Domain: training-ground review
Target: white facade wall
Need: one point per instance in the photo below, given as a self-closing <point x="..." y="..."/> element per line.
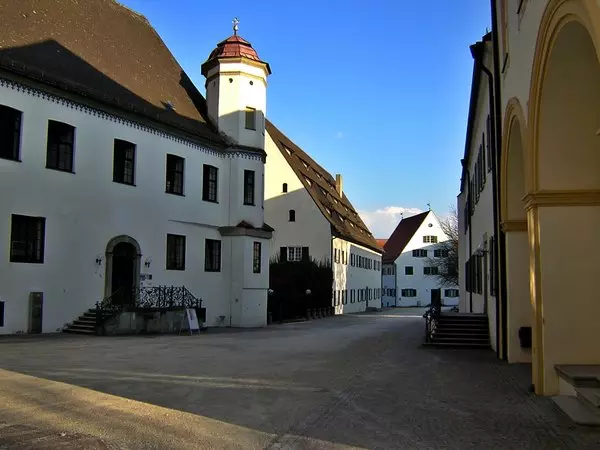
<point x="482" y="219"/>
<point x="350" y="279"/>
<point x="86" y="209"/>
<point x="423" y="284"/>
<point x="389" y="296"/>
<point x="310" y="229"/>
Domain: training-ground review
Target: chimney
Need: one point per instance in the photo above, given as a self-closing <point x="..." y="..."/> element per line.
<point x="339" y="184"/>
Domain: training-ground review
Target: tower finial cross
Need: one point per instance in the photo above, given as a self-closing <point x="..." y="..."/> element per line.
<point x="235" y="22"/>
<point x="429" y="206"/>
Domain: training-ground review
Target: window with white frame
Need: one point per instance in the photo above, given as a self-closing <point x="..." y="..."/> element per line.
<point x="409" y="292"/>
<point x="419" y="253"/>
<point x="430" y="270"/>
<point x="451" y="293"/>
<point x="430" y="239"/>
<point x="294" y="254"/>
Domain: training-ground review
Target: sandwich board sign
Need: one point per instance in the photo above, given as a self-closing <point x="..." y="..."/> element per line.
<point x="192" y="320"/>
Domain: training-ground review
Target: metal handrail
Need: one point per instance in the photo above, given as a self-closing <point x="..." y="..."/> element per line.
<point x="145" y="298"/>
<point x="431" y="317"/>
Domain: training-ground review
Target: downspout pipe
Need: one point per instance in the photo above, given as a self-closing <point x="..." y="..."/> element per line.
<point x="478" y="56"/>
<point x="501" y="238"/>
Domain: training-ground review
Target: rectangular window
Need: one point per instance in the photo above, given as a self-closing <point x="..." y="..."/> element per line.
<point x="27" y="239"/>
<point x="10" y="133"/>
<point x="249" y="187"/>
<point x="488" y="142"/>
<point x="123" y="162"/>
<point x="250" y="118"/>
<point x="409" y="292"/>
<point x="294" y="254"/>
<point x="430" y="270"/>
<point x="1" y="314"/>
<point x="60" y="146"/>
<point x="451" y="293"/>
<point x="419" y="253"/>
<point x="430" y="239"/>
<point x="352" y="259"/>
<point x="209" y="183"/>
<point x="440" y="253"/>
<point x="256" y="257"/>
<point x="492" y="256"/>
<point x="212" y="255"/>
<point x="175" y="166"/>
<point x="409" y="270"/>
<point x="175" y="252"/>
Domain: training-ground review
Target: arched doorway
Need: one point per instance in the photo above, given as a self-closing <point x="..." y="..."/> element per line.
<point x="564" y="206"/>
<point x="519" y="313"/>
<point x="123" y="258"/>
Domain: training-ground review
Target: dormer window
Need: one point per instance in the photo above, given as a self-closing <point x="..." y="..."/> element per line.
<point x="250" y="118"/>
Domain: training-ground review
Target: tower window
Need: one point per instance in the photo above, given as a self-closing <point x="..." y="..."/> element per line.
<point x="284" y="188"/>
<point x="292" y="215"/>
<point x="250" y="118"/>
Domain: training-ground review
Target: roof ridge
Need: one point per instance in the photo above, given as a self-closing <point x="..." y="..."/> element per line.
<point x="133" y="12"/>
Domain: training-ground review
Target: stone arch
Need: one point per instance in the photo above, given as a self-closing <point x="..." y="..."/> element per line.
<point x="563" y="206"/>
<point x="110" y="248"/>
<point x="558" y="15"/>
<point x="514" y="139"/>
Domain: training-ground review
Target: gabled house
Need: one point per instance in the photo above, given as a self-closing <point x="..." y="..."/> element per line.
<point x="409" y="278"/>
<point x="314" y="219"/>
<point x="117" y="172"/>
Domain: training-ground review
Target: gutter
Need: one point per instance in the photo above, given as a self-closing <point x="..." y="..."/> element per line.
<point x="470" y="236"/>
<point x="500" y="238"/>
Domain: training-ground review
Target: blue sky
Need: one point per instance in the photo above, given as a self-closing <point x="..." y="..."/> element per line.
<point x="376" y="90"/>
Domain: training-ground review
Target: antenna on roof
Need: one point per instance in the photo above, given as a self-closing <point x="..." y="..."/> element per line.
<point x="235" y="22"/>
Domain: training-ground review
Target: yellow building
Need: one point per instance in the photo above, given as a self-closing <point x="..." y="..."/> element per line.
<point x="546" y="113"/>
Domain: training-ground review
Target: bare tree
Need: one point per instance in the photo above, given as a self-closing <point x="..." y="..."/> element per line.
<point x="447" y="264"/>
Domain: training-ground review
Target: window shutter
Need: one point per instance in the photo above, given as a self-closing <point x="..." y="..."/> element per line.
<point x="283" y="254"/>
<point x="305" y="256"/>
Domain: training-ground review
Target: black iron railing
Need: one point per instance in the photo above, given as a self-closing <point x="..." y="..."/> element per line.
<point x="144" y="299"/>
<point x="431" y="317"/>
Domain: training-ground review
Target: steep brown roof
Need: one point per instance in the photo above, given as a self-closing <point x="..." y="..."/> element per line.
<point x="401" y="236"/>
<point x="104" y="51"/>
<point x="381" y="242"/>
<point x="345" y="221"/>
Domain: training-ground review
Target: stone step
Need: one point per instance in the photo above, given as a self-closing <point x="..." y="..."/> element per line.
<point x="578" y="411"/>
<point x="483" y="336"/>
<point x="82" y="327"/>
<point x="78" y="331"/>
<point x="461" y="340"/>
<point x="589" y="395"/>
<point x="458" y="344"/>
<point x="464" y="322"/>
<point x="85" y="320"/>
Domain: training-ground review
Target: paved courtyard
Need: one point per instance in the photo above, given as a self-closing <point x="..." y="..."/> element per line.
<point x="360" y="381"/>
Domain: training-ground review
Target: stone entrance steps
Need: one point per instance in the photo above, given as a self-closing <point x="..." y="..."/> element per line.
<point x="579" y="397"/>
<point x="86" y="323"/>
<point x="461" y="330"/>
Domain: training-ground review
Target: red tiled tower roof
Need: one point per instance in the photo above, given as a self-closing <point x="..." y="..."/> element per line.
<point x="233" y="47"/>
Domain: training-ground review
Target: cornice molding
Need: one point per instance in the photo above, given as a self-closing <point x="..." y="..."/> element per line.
<point x="89" y="110"/>
<point x="578" y="197"/>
